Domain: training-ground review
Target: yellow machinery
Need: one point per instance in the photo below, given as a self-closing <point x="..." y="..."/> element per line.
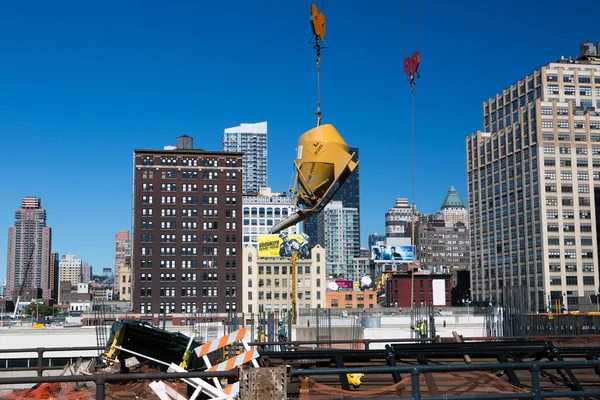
<point x="322" y="157"/>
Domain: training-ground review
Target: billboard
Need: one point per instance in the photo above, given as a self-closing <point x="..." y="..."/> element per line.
<point x="439" y="292"/>
<point x="388" y="254"/>
<point x="344" y="284"/>
<point x="284" y="245"/>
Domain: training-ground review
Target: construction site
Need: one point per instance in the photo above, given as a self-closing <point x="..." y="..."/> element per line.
<point x="502" y="351"/>
<point x="334" y="355"/>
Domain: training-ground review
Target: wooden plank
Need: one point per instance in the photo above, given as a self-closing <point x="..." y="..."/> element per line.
<point x="458" y="338"/>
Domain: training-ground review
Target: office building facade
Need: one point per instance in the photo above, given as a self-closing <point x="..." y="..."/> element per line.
<point x="187" y="216"/>
<point x="268" y="282"/>
<point x="70" y="269"/>
<point x="250" y="139"/>
<point x="29" y="247"/>
<point x="122" y="252"/>
<point x="264" y="210"/>
<point x="532" y="178"/>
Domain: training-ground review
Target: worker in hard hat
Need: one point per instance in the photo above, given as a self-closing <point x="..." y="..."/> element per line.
<point x="281" y="334"/>
<point x="421" y="328"/>
<point x="260" y="336"/>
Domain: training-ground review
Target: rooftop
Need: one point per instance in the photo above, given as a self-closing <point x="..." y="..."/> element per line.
<point x="452" y="200"/>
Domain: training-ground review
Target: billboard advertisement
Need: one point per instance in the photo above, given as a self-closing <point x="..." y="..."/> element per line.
<point x="344" y="284"/>
<point x="284" y="245"/>
<point x="388" y="254"/>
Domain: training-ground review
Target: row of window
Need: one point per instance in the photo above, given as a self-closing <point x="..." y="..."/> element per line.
<point x="570" y="90"/>
<point x="566" y="188"/>
<point x="206" y="238"/>
<point x="188" y="291"/>
<point x="306" y="295"/>
<point x="267" y="269"/>
<point x="146" y="308"/>
<point x="566" y="137"/>
<point x="553" y="227"/>
<point x="567" y="176"/>
<point x="572" y="267"/>
<point x="549" y="149"/>
<point x="571" y="280"/>
<point x="190" y="162"/>
<point x="188" y="251"/>
<point x="568" y="214"/>
<point x="555" y="253"/>
<point x="171" y="277"/>
<point x="568" y="201"/>
<point x="571" y="79"/>
<point x="188" y="264"/>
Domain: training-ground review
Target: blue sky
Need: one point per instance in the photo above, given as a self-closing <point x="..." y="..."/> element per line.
<point x="84" y="83"/>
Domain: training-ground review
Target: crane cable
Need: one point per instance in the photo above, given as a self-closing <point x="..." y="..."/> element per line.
<point x="411" y="65"/>
<point x="318" y="26"/>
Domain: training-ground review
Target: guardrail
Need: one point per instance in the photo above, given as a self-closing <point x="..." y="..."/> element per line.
<point x="40" y="367"/>
<point x="101" y="379"/>
<point x="415" y="371"/>
<point x="40" y="351"/>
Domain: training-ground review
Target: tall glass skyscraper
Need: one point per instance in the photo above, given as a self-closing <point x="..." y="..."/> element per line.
<point x="251" y="139"/>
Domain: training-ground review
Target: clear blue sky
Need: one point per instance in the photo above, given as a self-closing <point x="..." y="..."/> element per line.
<point x="84" y="83"/>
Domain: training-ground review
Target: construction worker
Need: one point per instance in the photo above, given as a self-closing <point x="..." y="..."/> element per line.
<point x="259" y="336"/>
<point x="422" y="328"/>
<point x="281" y="334"/>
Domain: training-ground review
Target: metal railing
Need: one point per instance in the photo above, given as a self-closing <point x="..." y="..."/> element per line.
<point x="290" y="345"/>
<point x="40" y="367"/>
<point x="416" y="370"/>
<point x="101" y="379"/>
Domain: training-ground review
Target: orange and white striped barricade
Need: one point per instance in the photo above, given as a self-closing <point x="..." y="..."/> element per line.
<point x="202" y="386"/>
<point x="235" y="362"/>
<point x="165" y="392"/>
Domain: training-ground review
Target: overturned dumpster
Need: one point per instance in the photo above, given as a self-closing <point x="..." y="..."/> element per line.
<point x="152" y="346"/>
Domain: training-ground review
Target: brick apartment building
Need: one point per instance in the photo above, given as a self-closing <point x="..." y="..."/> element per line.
<point x="187" y="242"/>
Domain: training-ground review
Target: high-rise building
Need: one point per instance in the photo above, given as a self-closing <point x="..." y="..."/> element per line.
<point x="122" y="251"/>
<point x="53" y="278"/>
<point x="532" y="179"/>
<point x="187" y="244"/>
<point x="349" y="195"/>
<point x="264" y="210"/>
<point x="29" y="247"/>
<point x="399" y="218"/>
<point x="338" y="225"/>
<point x="453" y="209"/>
<point x="86" y="272"/>
<point x="250" y="139"/>
<point x="69" y="269"/>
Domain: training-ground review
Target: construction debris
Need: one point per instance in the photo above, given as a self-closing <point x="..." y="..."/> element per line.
<point x="132" y="363"/>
